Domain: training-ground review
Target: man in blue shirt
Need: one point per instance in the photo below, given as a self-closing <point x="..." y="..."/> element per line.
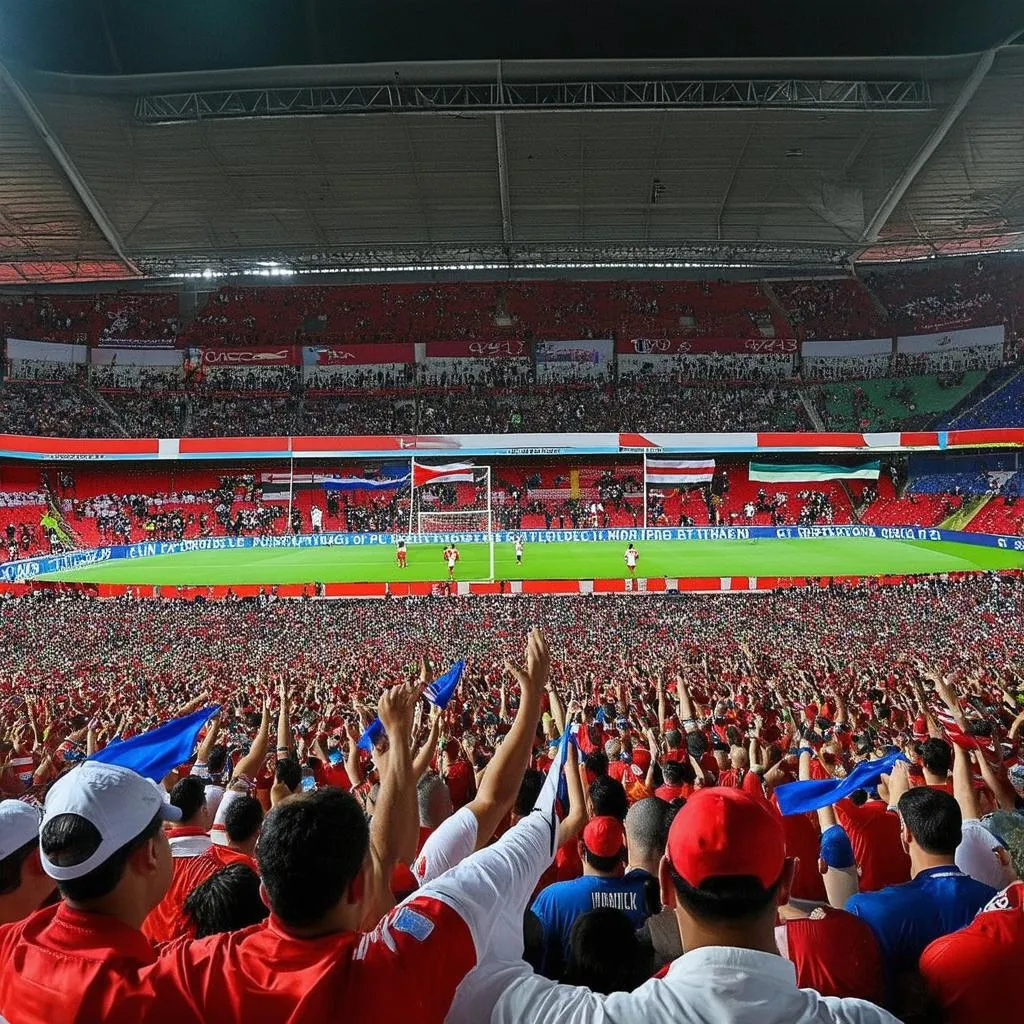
<point x="939" y="898"/>
<point x="601" y="885"/>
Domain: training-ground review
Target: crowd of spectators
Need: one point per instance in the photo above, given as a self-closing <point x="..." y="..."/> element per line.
<point x="661" y="883"/>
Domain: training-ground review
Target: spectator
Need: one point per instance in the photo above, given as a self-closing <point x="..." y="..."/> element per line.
<point x="24" y="885"/>
<point x="102" y="841"/>
<point x="605" y="954"/>
<point x="601" y="885"/>
<point x="726" y="869"/>
<point x="971" y="973"/>
<point x="236" y="838"/>
<point x="227" y="901"/>
<point x="939" y="898"/>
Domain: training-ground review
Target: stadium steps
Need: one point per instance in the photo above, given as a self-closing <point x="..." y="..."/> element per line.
<point x="875" y="301"/>
<point x="963" y="515"/>
<point x="812" y="413"/>
<point x="776" y="303"/>
<point x="106" y="407"/>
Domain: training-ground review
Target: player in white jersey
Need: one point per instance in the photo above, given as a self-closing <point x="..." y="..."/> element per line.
<point x="631" y="556"/>
<point x="316" y="518"/>
<point x="519" y="550"/>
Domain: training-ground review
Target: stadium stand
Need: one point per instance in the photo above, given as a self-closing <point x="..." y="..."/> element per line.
<point x="832" y="309"/>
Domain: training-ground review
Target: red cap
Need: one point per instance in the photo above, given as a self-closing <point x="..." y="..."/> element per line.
<point x="726" y="832"/>
<point x="604" y="836"/>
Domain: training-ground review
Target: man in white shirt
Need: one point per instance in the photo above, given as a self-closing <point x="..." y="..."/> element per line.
<point x="725" y="871"/>
<point x="316" y="518"/>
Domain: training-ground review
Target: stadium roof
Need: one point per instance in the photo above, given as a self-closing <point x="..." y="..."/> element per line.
<point x="800" y="162"/>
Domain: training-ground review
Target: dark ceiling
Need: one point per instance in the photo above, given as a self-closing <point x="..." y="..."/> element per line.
<point x="113" y="37"/>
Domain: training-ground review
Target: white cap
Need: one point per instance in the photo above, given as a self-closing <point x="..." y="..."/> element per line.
<point x="118" y="801"/>
<point x="19" y="826"/>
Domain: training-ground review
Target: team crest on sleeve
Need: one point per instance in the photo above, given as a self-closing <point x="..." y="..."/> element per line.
<point x="414" y="924"/>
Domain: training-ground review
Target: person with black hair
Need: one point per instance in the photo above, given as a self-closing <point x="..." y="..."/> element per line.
<point x="607" y="798"/>
<point x="227" y="901"/>
<point x="190" y="844"/>
<point x="24" y="885"/>
<point x="605" y="954"/>
<point x="236" y="838"/>
<point x="725" y="872"/>
<point x="936" y="762"/>
<point x="103" y="843"/>
<point x="939" y="898"/>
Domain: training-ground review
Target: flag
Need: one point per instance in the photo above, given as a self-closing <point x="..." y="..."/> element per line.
<point x="454" y="473"/>
<point x="358" y="483"/>
<point x="768" y="473"/>
<point x="680" y="471"/>
<point x="438" y="693"/>
<point x="809" y="795"/>
<point x="554" y="789"/>
<point x="155" y="753"/>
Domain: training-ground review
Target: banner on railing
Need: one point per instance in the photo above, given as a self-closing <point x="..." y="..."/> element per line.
<point x="846" y="349"/>
<point x="505" y="349"/>
<point x="46" y="351"/>
<point x="359" y="355"/>
<point x="946" y="341"/>
<point x="136" y="356"/>
<point x="31" y="568"/>
<point x="262" y="355"/>
<point x="136" y="343"/>
<point x="596" y="352"/>
<point x="705" y="346"/>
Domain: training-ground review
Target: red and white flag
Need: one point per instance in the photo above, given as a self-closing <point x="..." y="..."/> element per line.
<point x="680" y="471"/>
<point x="454" y="473"/>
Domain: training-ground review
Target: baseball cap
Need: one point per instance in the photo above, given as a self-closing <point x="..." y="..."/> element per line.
<point x="726" y="832"/>
<point x="119" y="802"/>
<point x="604" y="836"/>
<point x="19" y="826"/>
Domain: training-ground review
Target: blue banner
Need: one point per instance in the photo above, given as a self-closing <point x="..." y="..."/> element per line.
<point x="30" y="568"/>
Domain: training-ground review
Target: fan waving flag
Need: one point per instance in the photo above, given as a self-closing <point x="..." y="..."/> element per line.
<point x="155" y="753"/>
<point x="680" y="471"/>
<point x="809" y="795"/>
<point x="454" y="473"/>
<point x="438" y="693"/>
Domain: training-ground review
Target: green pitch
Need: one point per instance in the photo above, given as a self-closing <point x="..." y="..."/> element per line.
<point x="575" y="560"/>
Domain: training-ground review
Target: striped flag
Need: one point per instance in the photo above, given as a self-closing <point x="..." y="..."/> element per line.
<point x="771" y="473"/>
<point x="680" y="471"/>
<point x="454" y="473"/>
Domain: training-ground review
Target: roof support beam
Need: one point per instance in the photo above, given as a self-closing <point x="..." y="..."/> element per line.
<point x="506" y="204"/>
<point x="934" y="140"/>
<point x="66" y="164"/>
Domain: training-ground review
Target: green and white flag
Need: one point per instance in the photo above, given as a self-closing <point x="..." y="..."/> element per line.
<point x="769" y="473"/>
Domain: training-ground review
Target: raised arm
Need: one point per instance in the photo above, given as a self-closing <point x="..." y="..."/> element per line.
<point x="212" y="729"/>
<point x="421" y="762"/>
<point x="250" y="764"/>
<point x="963" y="784"/>
<point x="395" y="823"/>
<point x="500" y="784"/>
<point x="285" y="741"/>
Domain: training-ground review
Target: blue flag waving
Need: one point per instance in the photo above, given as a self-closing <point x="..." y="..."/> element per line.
<point x="809" y="795"/>
<point x="439" y="693"/>
<point x="153" y="754"/>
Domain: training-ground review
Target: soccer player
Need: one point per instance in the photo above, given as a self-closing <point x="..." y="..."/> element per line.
<point x="402" y="553"/>
<point x="451" y="556"/>
<point x="519" y="550"/>
<point x="316" y="518"/>
<point x="631" y="557"/>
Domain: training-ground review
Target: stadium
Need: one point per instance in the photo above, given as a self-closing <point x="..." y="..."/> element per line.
<point x="341" y="346"/>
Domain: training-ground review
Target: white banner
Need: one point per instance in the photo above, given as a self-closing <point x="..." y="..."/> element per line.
<point x="838" y="349"/>
<point x="680" y="471"/>
<point x="137" y="357"/>
<point x="945" y="341"/>
<point x="46" y="351"/>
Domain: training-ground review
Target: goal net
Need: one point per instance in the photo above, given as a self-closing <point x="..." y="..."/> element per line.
<point x="463" y="521"/>
<point x="455" y="507"/>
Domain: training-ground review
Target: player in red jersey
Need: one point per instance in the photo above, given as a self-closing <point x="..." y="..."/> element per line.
<point x="451" y="557"/>
<point x="402" y="554"/>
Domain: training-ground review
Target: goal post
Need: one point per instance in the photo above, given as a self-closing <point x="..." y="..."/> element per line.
<point x="425" y="521"/>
